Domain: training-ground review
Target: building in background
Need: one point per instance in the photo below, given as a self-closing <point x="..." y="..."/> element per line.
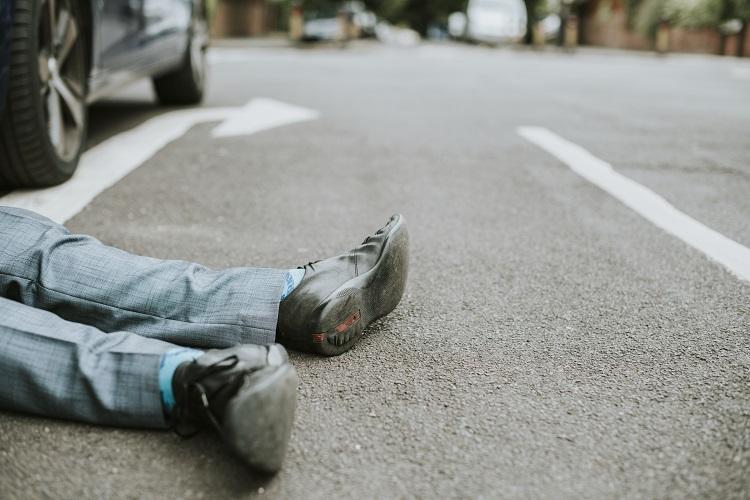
<point x="695" y="26"/>
<point x="248" y="18"/>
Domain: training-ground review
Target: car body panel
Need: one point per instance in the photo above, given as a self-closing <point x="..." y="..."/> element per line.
<point x="117" y="24"/>
<point x="490" y="21"/>
<point x="496" y="21"/>
<point x="130" y="39"/>
<point x="323" y="29"/>
<point x="134" y="39"/>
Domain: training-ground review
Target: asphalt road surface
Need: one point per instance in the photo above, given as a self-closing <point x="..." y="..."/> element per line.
<point x="552" y="342"/>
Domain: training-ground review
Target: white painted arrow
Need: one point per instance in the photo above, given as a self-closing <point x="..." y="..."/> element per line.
<point x="105" y="164"/>
<point x="261" y="114"/>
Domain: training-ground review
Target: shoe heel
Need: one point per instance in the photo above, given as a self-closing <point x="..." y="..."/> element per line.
<point x="342" y="323"/>
<point x="259" y="420"/>
<point x="369" y="297"/>
<point x="386" y="283"/>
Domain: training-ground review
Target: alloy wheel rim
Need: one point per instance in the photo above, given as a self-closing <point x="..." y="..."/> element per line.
<point x="61" y="75"/>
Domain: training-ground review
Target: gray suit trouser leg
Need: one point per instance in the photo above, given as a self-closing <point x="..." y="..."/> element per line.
<point x="83" y="325"/>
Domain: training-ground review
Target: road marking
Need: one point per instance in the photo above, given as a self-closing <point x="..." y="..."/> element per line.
<point x="262" y="114"/>
<point x="727" y="252"/>
<point x="105" y="164"/>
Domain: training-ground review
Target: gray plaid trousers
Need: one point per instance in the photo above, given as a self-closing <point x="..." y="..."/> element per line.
<point x="83" y="325"/>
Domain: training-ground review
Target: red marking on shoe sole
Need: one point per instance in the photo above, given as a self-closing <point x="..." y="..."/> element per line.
<point x="348" y="322"/>
<point x="318" y="338"/>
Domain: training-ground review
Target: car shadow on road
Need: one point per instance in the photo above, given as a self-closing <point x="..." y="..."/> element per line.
<point x="111" y="117"/>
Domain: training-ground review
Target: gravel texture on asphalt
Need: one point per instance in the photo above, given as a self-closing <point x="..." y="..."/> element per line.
<point x="551" y="342"/>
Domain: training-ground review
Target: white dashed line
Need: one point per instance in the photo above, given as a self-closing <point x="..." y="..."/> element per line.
<point x="727" y="252"/>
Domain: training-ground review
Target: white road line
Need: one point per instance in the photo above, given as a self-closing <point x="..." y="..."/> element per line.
<point x="727" y="252"/>
<point x="262" y="114"/>
<point x="105" y="164"/>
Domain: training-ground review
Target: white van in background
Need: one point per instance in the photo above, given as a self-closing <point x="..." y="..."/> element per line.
<point x="490" y="21"/>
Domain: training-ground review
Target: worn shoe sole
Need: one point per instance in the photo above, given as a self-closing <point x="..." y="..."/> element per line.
<point x="343" y="316"/>
<point x="259" y="419"/>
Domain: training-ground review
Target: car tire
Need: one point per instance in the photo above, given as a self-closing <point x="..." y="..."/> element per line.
<point x="186" y="84"/>
<point x="43" y="128"/>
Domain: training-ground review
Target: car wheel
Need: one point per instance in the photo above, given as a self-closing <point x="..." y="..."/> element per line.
<point x="186" y="84"/>
<point x="44" y="126"/>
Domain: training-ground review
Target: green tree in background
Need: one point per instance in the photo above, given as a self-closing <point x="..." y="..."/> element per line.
<point x="740" y="9"/>
<point x="686" y="13"/>
<point x="417" y="14"/>
<point x="694" y="13"/>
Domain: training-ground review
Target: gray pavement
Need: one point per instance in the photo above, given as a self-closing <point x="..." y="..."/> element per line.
<point x="551" y="343"/>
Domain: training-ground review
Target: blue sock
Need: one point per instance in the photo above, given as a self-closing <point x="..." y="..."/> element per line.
<point x="293" y="278"/>
<point x="169" y="362"/>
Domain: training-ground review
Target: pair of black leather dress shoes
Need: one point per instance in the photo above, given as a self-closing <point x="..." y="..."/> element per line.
<point x="248" y="393"/>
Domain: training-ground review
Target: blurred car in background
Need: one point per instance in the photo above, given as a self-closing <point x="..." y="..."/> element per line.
<point x="329" y="20"/>
<point x="322" y="23"/>
<point x="57" y="56"/>
<point x="396" y="35"/>
<point x="550" y="26"/>
<point x="364" y="20"/>
<point x="490" y="21"/>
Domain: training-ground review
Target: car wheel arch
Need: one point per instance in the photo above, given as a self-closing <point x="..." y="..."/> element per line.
<point x="87" y="14"/>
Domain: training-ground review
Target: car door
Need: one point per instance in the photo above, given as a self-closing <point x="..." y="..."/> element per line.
<point x="166" y="25"/>
<point x="119" y="29"/>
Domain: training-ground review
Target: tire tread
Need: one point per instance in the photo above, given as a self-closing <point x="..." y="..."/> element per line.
<point x="26" y="157"/>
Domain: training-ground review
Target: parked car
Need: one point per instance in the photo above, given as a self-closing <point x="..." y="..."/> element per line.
<point x="490" y="21"/>
<point x="58" y="56"/>
<point x="323" y="21"/>
<point x="322" y="24"/>
<point x="364" y="20"/>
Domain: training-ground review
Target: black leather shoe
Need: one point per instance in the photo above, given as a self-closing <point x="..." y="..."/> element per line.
<point x="247" y="393"/>
<point x="339" y="297"/>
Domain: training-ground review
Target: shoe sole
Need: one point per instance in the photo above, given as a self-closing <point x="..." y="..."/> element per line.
<point x="350" y="309"/>
<point x="259" y="419"/>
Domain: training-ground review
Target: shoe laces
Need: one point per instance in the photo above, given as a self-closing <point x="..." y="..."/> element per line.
<point x="180" y="417"/>
<point x="311" y="265"/>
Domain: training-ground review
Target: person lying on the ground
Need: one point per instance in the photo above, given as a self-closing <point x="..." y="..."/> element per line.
<point x="91" y="333"/>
